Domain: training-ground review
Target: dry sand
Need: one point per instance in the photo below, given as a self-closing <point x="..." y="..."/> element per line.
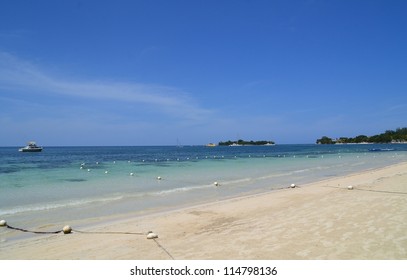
<point x="322" y="220"/>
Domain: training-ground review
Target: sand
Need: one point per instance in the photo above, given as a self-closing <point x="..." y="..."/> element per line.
<point x="319" y="221"/>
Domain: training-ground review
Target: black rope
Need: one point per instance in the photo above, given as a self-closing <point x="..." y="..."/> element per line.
<point x="92" y="232"/>
<point x="73" y="230"/>
<point x="107" y="232"/>
<point x="165" y="250"/>
<point x="32" y="231"/>
<point x="391" y="192"/>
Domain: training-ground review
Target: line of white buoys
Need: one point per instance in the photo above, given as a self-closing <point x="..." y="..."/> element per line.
<point x="3" y="223"/>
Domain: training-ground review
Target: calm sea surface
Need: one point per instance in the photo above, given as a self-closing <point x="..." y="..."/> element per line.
<point x="65" y="184"/>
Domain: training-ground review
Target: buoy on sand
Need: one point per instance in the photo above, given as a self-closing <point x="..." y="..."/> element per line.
<point x="152" y="235"/>
<point x="3" y="223"/>
<point x="159" y="178"/>
<point x="216" y="184"/>
<point x="350" y="187"/>
<point x="67" y="229"/>
<point x="293" y="186"/>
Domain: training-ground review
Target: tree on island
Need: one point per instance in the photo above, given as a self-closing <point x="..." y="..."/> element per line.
<point x="390" y="136"/>
<point x="243" y="142"/>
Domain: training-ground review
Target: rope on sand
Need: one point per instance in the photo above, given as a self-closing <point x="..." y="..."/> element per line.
<point x="365" y="190"/>
<point x="165" y="250"/>
<point x="31" y="231"/>
<point x="391" y="192"/>
<point x="108" y="232"/>
<point x="67" y="230"/>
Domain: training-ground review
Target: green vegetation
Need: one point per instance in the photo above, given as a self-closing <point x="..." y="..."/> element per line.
<point x="390" y="136"/>
<point x="243" y="142"/>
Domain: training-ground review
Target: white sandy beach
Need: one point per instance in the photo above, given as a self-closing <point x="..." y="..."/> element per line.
<point x="322" y="220"/>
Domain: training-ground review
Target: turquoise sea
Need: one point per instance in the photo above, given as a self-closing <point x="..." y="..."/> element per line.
<point x="63" y="185"/>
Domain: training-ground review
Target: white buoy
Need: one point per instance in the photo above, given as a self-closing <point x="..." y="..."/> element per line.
<point x="67" y="229"/>
<point x="216" y="183"/>
<point x="293" y="186"/>
<point x="106" y="172"/>
<point x="3" y="223"/>
<point x="131" y="174"/>
<point x="88" y="170"/>
<point x="350" y="187"/>
<point x="159" y="178"/>
<point x="152" y="235"/>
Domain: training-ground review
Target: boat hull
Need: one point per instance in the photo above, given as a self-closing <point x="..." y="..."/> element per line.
<point x="32" y="150"/>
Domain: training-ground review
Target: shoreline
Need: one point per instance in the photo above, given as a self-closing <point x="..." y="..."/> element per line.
<point x="319" y="220"/>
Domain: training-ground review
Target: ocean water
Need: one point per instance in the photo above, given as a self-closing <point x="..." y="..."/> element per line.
<point x="68" y="184"/>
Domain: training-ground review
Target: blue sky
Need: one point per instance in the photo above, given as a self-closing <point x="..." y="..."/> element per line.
<point x="152" y="72"/>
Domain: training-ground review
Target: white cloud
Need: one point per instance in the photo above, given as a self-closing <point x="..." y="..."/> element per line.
<point x="23" y="76"/>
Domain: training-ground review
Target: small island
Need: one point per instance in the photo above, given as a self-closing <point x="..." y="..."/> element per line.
<point x="390" y="136"/>
<point x="241" y="142"/>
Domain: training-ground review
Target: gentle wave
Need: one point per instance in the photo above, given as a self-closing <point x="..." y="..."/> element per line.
<point x="53" y="206"/>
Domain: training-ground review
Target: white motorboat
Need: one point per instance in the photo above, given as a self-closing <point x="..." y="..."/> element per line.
<point x="31" y="147"/>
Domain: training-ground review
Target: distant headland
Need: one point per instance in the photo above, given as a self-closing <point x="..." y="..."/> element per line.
<point x="241" y="142"/>
<point x="390" y="136"/>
